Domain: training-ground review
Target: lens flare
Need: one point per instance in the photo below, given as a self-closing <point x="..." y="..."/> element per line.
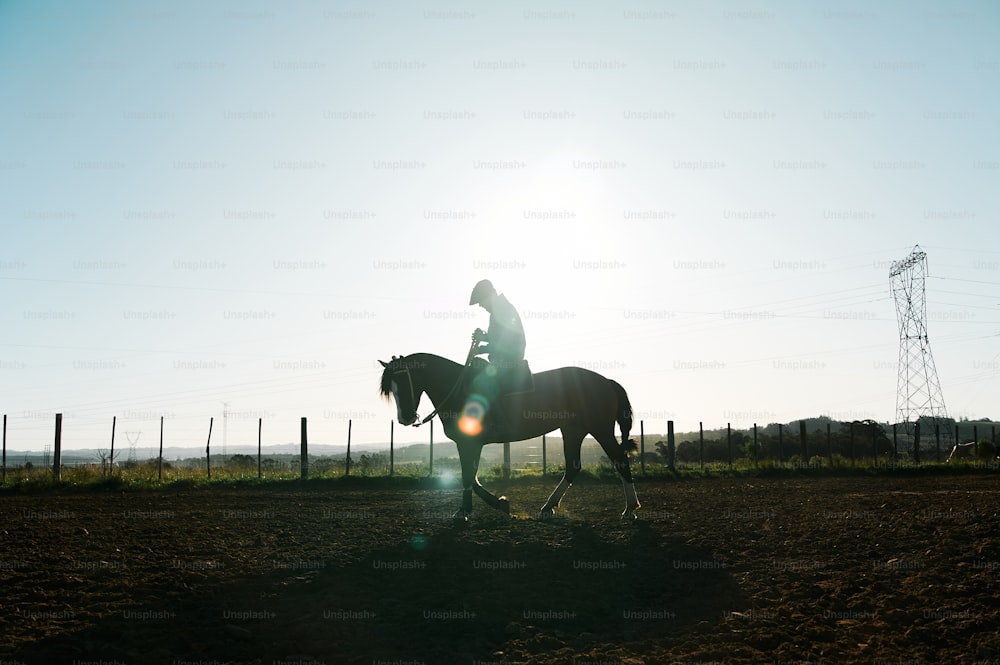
<point x="470" y="426"/>
<point x="471" y="420"/>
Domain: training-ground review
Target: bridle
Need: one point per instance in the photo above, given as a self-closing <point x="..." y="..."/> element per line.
<point x="413" y="395"/>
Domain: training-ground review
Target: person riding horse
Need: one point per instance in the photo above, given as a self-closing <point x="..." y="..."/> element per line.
<point x="507" y="372"/>
<point x="505" y="337"/>
<point x="470" y="403"/>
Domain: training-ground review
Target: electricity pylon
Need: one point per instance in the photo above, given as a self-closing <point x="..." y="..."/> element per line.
<point x="918" y="391"/>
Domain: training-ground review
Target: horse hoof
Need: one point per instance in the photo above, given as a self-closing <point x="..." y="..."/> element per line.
<point x="629" y="515"/>
<point x="546" y="514"/>
<point x="503" y="505"/>
<point x="460" y="517"/>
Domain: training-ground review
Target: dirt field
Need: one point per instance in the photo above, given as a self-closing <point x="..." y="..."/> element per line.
<point x="836" y="570"/>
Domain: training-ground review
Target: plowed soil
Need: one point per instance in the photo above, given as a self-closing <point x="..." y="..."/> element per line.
<point x="859" y="569"/>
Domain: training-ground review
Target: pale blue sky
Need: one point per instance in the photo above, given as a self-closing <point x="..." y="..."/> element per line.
<point x="252" y="203"/>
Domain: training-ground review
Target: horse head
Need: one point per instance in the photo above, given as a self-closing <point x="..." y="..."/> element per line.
<point x="400" y="380"/>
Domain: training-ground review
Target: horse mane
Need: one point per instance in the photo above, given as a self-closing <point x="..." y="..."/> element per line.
<point x="385" y="382"/>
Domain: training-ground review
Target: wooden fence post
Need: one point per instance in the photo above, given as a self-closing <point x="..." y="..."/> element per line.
<point x="4" y="449"/>
<point x="852" y="442"/>
<point x="895" y="444"/>
<point x="874" y="445"/>
<point x="506" y="459"/>
<point x="159" y="466"/>
<point x="781" y="443"/>
<point x="701" y="444"/>
<point x="802" y="442"/>
<point x="642" y="447"/>
<point x="937" y="440"/>
<point x="111" y="459"/>
<point x="392" y="448"/>
<point x="544" y="456"/>
<point x="756" y="456"/>
<point x="916" y="442"/>
<point x="671" y="446"/>
<point x="208" y="448"/>
<point x="57" y="457"/>
<point x="829" y="444"/>
<point x="260" y="428"/>
<point x="431" y="463"/>
<point x="729" y="442"/>
<point x="347" y="467"/>
<point x="303" y="451"/>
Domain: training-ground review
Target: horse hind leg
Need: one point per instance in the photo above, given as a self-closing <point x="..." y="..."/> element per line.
<point x="618" y="454"/>
<point x="571" y="451"/>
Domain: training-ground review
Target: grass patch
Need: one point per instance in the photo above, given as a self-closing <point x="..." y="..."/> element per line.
<point x="146" y="477"/>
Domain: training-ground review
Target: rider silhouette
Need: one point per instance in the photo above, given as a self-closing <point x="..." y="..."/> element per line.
<point x="505" y="336"/>
<point x="505" y="348"/>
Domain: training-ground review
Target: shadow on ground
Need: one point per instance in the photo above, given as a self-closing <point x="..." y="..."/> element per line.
<point x="499" y="590"/>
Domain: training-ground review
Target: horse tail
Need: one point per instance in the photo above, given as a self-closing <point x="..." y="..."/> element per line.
<point x="624" y="417"/>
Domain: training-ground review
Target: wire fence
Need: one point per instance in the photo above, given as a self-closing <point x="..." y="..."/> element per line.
<point x="856" y="444"/>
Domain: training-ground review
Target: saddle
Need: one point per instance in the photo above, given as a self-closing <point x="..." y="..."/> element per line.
<point x="513" y="381"/>
<point x="485" y="384"/>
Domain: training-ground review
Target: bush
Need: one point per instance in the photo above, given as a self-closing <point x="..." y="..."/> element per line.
<point x="985" y="450"/>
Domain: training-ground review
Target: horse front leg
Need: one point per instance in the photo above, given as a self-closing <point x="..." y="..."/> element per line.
<point x="468" y="455"/>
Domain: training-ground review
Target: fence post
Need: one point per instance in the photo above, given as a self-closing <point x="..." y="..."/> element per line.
<point x="303" y="449"/>
<point x="802" y="441"/>
<point x="874" y="445"/>
<point x="111" y="459"/>
<point x="756" y="458"/>
<point x="895" y="444"/>
<point x="159" y="465"/>
<point x="506" y="459"/>
<point x="916" y="442"/>
<point x="729" y="442"/>
<point x="544" y="456"/>
<point x="701" y="444"/>
<point x="671" y="446"/>
<point x="392" y="448"/>
<point x="829" y="444"/>
<point x="852" y="442"/>
<point x="431" y="464"/>
<point x="57" y="457"/>
<point x="260" y="428"/>
<point x="4" y="449"/>
<point x="937" y="440"/>
<point x="781" y="443"/>
<point x="642" y="446"/>
<point x="208" y="448"/>
<point x="347" y="467"/>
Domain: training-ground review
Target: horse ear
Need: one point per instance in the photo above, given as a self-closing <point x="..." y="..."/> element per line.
<point x="384" y="364"/>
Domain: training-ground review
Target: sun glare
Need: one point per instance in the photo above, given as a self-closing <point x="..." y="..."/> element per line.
<point x="471" y="421"/>
<point x="470" y="426"/>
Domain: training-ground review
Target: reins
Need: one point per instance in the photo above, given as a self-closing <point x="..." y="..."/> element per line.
<point x="468" y="362"/>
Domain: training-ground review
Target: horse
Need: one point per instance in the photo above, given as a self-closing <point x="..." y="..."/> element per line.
<point x="574" y="400"/>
